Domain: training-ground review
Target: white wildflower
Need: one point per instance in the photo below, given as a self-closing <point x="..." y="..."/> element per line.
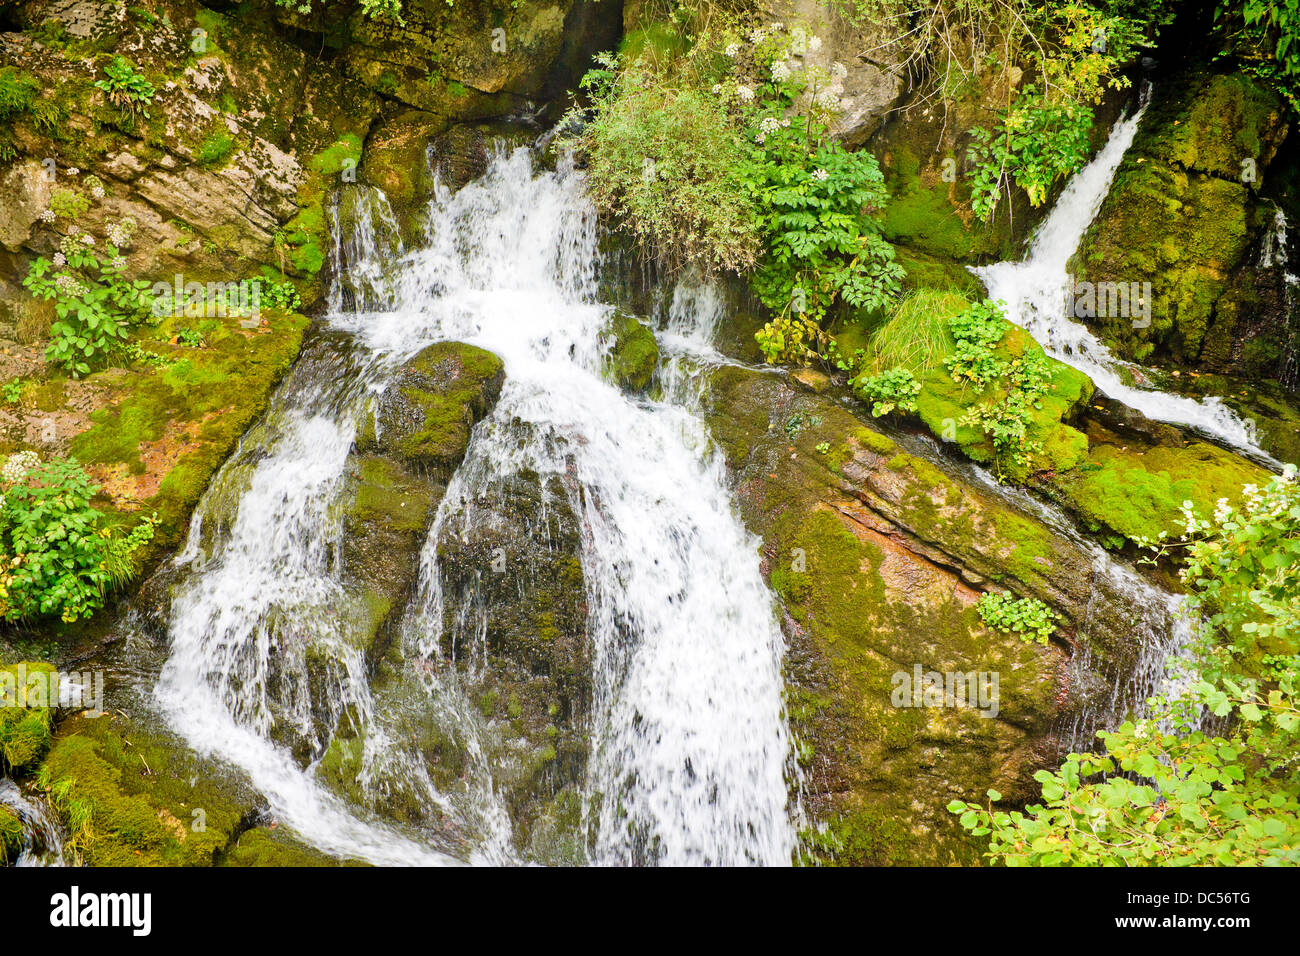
<point x="820" y="175"/>
<point x="732" y="50"/>
<point x="60" y="260"/>
<point x="97" y="192"/>
<point x="780" y="72"/>
<point x="119" y="262"/>
<point x="47" y="215"/>
<point x="814" y="44"/>
<point x="839" y="70"/>
<point x="73" y="171"/>
<point x="18" y="465"/>
<point x="745" y="93"/>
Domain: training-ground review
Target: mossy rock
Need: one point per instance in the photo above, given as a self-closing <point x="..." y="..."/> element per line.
<point x="137" y="797"/>
<point x="1183" y="214"/>
<point x="1138" y="490"/>
<point x="11" y="835"/>
<point x="26" y="714"/>
<point x="268" y="846"/>
<point x="166" y="430"/>
<point x="425" y="416"/>
<point x="878" y="558"/>
<point x="633" y="352"/>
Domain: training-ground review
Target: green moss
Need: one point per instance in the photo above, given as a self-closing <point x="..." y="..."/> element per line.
<point x="11" y="836"/>
<point x="197" y="408"/>
<point x="633" y="353"/>
<point x="266" y="847"/>
<point x="135" y="798"/>
<point x="1139" y="493"/>
<point x="448" y="392"/>
<point x="26" y="714"/>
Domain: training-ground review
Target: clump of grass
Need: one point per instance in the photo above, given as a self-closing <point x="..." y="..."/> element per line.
<point x="916" y="336"/>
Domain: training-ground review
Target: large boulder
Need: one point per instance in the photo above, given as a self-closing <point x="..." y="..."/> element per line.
<point x="1183" y="214"/>
<point x="878" y="557"/>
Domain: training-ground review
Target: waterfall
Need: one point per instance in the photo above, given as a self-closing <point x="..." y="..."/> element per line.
<point x="689" y="745"/>
<point x="1275" y="254"/>
<point x="1039" y="296"/>
<point x="42" y="833"/>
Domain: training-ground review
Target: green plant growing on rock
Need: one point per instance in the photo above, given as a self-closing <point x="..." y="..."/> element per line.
<point x="126" y="87"/>
<point x="1165" y="792"/>
<point x="56" y="555"/>
<point x="893" y="389"/>
<point x="1033" y="620"/>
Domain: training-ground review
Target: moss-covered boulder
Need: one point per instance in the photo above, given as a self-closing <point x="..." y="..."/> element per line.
<point x="396" y="475"/>
<point x="27" y="712"/>
<point x="1183" y="214"/>
<point x="633" y="353"/>
<point x="135" y="796"/>
<point x="11" y="835"/>
<point x="879" y="557"/>
<point x="424" y="417"/>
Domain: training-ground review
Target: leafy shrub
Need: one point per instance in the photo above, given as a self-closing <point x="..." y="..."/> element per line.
<point x="664" y="162"/>
<point x="93" y="301"/>
<point x="713" y="151"/>
<point x="1029" y="617"/>
<point x="55" y="555"/>
<point x="977" y="331"/>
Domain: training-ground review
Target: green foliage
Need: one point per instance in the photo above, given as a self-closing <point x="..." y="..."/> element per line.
<point x="1013" y="387"/>
<point x="126" y="87"/>
<point x="1033" y="620"/>
<point x="1265" y="35"/>
<point x="664" y="162"/>
<point x="20" y="98"/>
<point x="55" y="555"/>
<point x="390" y="10"/>
<point x="94" y="303"/>
<point x="916" y="336"/>
<point x="714" y="152"/>
<point x="1166" y="792"/>
<point x="1244" y="566"/>
<point x="894" y="388"/>
<point x="976" y="331"/>
<point x="281" y="295"/>
<point x="1034" y="144"/>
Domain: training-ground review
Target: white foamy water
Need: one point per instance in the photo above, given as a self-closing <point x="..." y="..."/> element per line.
<point x="689" y="740"/>
<point x="1039" y="294"/>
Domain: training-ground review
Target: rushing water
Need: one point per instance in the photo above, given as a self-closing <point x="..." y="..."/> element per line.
<point x="42" y="833"/>
<point x="689" y="741"/>
<point x="1039" y="296"/>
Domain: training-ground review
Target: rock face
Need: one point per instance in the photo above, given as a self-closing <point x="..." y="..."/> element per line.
<point x="1184" y="214"/>
<point x="398" y="471"/>
<point x="878" y="558"/>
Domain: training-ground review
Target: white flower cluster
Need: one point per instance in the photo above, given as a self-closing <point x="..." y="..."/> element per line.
<point x="829" y="99"/>
<point x="74" y="171"/>
<point x="60" y="260"/>
<point x="119" y="233"/>
<point x="839" y="70"/>
<point x="47" y="215"/>
<point x="70" y="286"/>
<point x="732" y="50"/>
<point x="820" y="175"/>
<point x="119" y="262"/>
<point x="814" y="44"/>
<point x="780" y="72"/>
<point x="745" y="94"/>
<point x="18" y="465"/>
<point x="768" y="125"/>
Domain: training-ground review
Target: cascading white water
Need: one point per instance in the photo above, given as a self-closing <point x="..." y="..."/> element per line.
<point x="1039" y="297"/>
<point x="42" y="833"/>
<point x="689" y="741"/>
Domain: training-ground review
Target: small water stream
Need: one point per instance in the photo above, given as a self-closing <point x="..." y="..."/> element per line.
<point x="1039" y="296"/>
